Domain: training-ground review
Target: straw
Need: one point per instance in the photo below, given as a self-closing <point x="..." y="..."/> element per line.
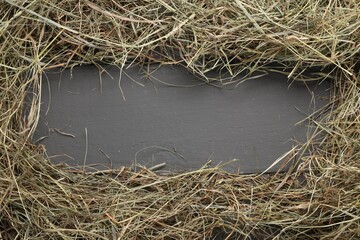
<point x="316" y="199"/>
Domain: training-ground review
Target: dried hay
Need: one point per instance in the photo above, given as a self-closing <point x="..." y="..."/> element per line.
<point x="318" y="199"/>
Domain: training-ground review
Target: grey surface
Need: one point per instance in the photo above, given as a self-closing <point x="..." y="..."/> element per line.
<point x="181" y="126"/>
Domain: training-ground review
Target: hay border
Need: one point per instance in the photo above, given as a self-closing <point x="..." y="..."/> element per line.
<point x="41" y="201"/>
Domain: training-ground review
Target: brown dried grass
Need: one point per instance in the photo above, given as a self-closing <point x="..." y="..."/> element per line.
<point x="318" y="199"/>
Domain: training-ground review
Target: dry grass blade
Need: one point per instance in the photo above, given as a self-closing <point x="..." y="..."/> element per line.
<point x="319" y="199"/>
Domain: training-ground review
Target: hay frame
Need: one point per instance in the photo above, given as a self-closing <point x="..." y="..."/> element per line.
<point x="317" y="199"/>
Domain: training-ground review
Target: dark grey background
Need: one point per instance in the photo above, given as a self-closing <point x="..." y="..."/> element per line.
<point x="182" y="126"/>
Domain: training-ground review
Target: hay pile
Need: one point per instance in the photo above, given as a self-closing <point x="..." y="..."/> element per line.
<point x="319" y="199"/>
